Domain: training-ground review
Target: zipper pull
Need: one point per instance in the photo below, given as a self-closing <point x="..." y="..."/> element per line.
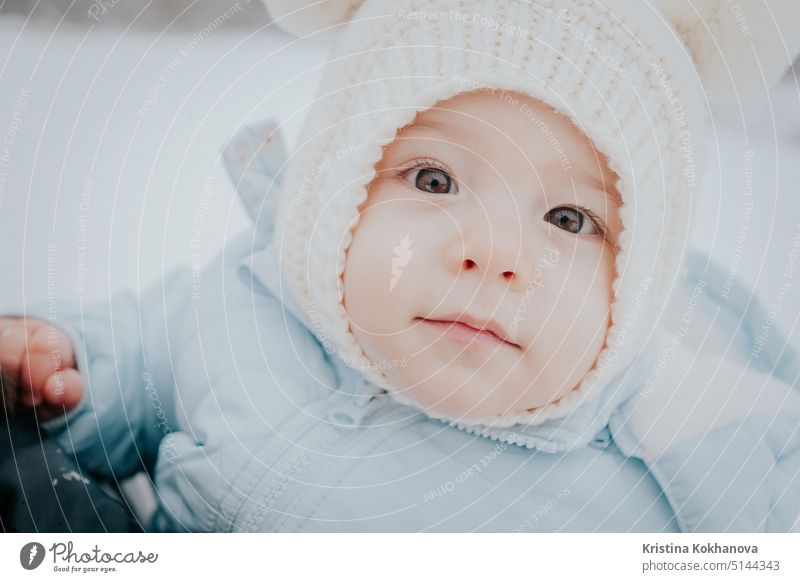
<point x="602" y="439"/>
<point x="353" y="412"/>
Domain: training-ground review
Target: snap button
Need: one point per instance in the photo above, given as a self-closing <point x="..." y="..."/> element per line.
<point x="341" y="417"/>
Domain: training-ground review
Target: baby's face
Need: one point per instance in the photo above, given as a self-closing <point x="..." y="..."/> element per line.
<point x="490" y="210"/>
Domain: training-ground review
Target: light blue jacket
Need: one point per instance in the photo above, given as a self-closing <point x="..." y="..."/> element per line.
<point x="247" y="424"/>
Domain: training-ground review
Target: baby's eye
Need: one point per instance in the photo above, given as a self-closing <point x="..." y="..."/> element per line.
<point x="572" y="220"/>
<point x="432" y="180"/>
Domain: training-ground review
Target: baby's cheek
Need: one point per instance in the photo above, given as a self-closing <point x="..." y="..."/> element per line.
<point x="597" y="298"/>
<point x="370" y="252"/>
<point x="377" y="272"/>
<point x="580" y="296"/>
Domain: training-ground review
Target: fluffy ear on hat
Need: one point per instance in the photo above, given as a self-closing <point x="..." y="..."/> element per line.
<point x="735" y="43"/>
<point x="309" y="17"/>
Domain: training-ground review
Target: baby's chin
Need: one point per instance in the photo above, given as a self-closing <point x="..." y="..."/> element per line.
<point x="474" y="386"/>
<point x="475" y="399"/>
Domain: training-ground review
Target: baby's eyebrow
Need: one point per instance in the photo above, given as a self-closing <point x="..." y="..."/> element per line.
<point x="603" y="185"/>
<point x="427" y="125"/>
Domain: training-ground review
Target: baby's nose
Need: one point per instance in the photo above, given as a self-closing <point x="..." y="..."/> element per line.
<point x="493" y="246"/>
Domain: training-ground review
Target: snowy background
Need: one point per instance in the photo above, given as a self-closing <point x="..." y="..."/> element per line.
<point x="116" y="135"/>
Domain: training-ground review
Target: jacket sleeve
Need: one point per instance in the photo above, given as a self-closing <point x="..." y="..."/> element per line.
<point x="122" y="353"/>
<point x="246" y="372"/>
<point x="722" y="439"/>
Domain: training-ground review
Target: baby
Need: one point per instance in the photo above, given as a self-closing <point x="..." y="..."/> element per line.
<point x="476" y="226"/>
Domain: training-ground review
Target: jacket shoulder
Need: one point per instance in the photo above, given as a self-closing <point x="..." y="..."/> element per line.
<point x="240" y="342"/>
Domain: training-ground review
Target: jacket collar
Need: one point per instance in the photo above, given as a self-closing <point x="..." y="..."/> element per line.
<point x="583" y="424"/>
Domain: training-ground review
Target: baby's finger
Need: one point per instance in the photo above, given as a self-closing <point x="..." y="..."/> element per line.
<point x="30" y="397"/>
<point x="66" y="351"/>
<point x="49" y="338"/>
<point x="13" y="342"/>
<point x="64" y="388"/>
<point x="49" y="350"/>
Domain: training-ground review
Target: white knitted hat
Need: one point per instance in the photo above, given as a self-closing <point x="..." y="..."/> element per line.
<point x="628" y="73"/>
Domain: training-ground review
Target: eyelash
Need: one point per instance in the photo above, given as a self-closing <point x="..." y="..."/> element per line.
<point x="431" y="163"/>
<point x="598" y="224"/>
<point x="427" y="163"/>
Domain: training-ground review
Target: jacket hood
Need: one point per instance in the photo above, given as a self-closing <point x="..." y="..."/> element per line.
<point x="253" y="159"/>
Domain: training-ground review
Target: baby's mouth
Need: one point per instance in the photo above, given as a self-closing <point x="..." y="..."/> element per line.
<point x="466" y="335"/>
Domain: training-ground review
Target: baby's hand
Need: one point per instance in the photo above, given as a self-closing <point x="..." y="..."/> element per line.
<point x="40" y="360"/>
